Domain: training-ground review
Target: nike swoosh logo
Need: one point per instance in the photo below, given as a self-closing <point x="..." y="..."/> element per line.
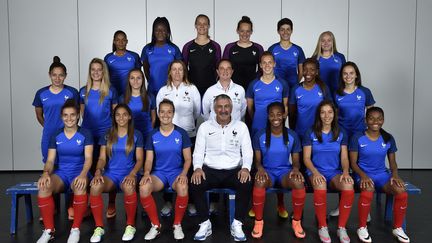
<point x="365" y="205"/>
<point x="235" y="52"/>
<point x="405" y="238"/>
<point x="180" y="206"/>
<point x="363" y="145"/>
<point x="319" y="204"/>
<point x="298" y="204"/>
<point x="211" y="133"/>
<point x="339" y="99"/>
<point x="155" y="142"/>
<point x="44" y="99"/>
<point x="347" y="206"/>
<point x="403" y="208"/>
<point x="256" y="204"/>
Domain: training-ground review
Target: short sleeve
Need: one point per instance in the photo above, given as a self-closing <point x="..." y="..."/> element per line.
<point x="307" y="141"/>
<point x="52" y="142"/>
<point x="286" y="90"/>
<point x="292" y="97"/>
<point x="369" y="97"/>
<point x="296" y="148"/>
<point x="152" y="101"/>
<point x="177" y="54"/>
<point x="114" y="97"/>
<point x="344" y="137"/>
<point x="301" y="56"/>
<point x="393" y="147"/>
<point x="103" y="139"/>
<point x="186" y="143"/>
<point x="149" y="141"/>
<point x="250" y="90"/>
<point x="139" y="139"/>
<point x="37" y="102"/>
<point x="144" y="57"/>
<point x="138" y="63"/>
<point x="82" y="95"/>
<point x="256" y="140"/>
<point x="87" y="135"/>
<point x="353" y="143"/>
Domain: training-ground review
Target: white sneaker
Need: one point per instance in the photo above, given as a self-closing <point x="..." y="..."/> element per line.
<point x="343" y="235"/>
<point x="213" y="208"/>
<point x="324" y="235"/>
<point x="166" y="210"/>
<point x="46" y="236"/>
<point x="237" y="231"/>
<point x="363" y="234"/>
<point x="400" y="235"/>
<point x="129" y="233"/>
<point x="334" y="212"/>
<point x="204" y="231"/>
<point x="192" y="210"/>
<point x="97" y="235"/>
<point x="153" y="232"/>
<point x="74" y="236"/>
<point x="178" y="232"/>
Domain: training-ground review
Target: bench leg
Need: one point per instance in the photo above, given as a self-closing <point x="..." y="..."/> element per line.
<point x="14" y="213"/>
<point x="29" y="209"/>
<point x="231" y="198"/>
<point x="389" y="208"/>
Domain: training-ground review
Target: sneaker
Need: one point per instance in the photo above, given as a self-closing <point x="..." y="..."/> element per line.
<point x="97" y="235"/>
<point x="213" y="208"/>
<point x="324" y="235"/>
<point x="369" y="218"/>
<point x="166" y="211"/>
<point x="74" y="236"/>
<point x="191" y="210"/>
<point x="129" y="233"/>
<point x="282" y="212"/>
<point x="258" y="229"/>
<point x="178" y="232"/>
<point x="343" y="235"/>
<point x="237" y="231"/>
<point x="334" y="212"/>
<point x="298" y="229"/>
<point x="204" y="231"/>
<point x="70" y="212"/>
<point x="46" y="236"/>
<point x="251" y="213"/>
<point x="400" y="235"/>
<point x="153" y="232"/>
<point x="363" y="234"/>
<point x="111" y="211"/>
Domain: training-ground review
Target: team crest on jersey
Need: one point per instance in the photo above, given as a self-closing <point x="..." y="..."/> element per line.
<point x="234" y="132"/>
<point x="383" y="145"/>
<point x="169" y="51"/>
<point x="186" y="93"/>
<point x="277" y="88"/>
<point x="66" y="97"/>
<point x="236" y="94"/>
<point x="129" y="59"/>
<point x="210" y="50"/>
<point x="254" y="53"/>
<point x="177" y="140"/>
<point x="78" y="141"/>
<point x="319" y="94"/>
<point x="359" y="97"/>
<point x="295" y="53"/>
<point x="187" y="97"/>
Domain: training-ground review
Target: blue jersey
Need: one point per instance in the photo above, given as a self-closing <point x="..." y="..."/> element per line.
<point x="277" y="155"/>
<point x="263" y="94"/>
<point x="119" y="67"/>
<point x="307" y="102"/>
<point x="352" y="109"/>
<point x="287" y="62"/>
<point x="168" y="150"/>
<point x="329" y="69"/>
<point x="121" y="163"/>
<point x="326" y="155"/>
<point x="70" y="151"/>
<point x="97" y="116"/>
<point x="159" y="58"/>
<point x="142" y="119"/>
<point x="371" y="154"/>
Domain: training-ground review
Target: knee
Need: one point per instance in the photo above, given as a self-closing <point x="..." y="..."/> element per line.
<point x="128" y="189"/>
<point x="347" y="186"/>
<point x="182" y="189"/>
<point x="96" y="189"/>
<point x="298" y="185"/>
<point x="145" y="190"/>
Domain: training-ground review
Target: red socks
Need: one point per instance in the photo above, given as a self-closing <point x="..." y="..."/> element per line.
<point x="46" y="208"/>
<point x="130" y="202"/>
<point x="258" y="199"/>
<point x="149" y="206"/>
<point x="364" y="206"/>
<point x="320" y="204"/>
<point x="399" y="209"/>
<point x="345" y="205"/>
<point x="79" y="207"/>
<point x="298" y="199"/>
<point x="96" y="205"/>
<point x="180" y="208"/>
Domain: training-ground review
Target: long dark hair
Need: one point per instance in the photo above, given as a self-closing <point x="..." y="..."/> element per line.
<point x="358" y="81"/>
<point x="317" y="78"/>
<point x="268" y="126"/>
<point x="317" y="126"/>
<point x="386" y="136"/>
<point x="161" y="21"/>
<point x="143" y="91"/>
<point x="112" y="136"/>
<point x="118" y="32"/>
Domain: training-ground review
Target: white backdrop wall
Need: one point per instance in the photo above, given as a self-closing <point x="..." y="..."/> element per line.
<point x="388" y="39"/>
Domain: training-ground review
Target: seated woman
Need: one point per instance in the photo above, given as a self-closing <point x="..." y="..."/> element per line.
<point x="368" y="151"/>
<point x="272" y="146"/>
<point x="325" y="155"/>
<point x="168" y="158"/>
<point x="122" y="147"/>
<point x="73" y="148"/>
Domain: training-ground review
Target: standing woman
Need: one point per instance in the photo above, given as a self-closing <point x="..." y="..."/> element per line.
<point x="140" y="102"/>
<point x="289" y="57"/>
<point x="368" y="152"/>
<point x="305" y="98"/>
<point x="244" y="54"/>
<point x="49" y="100"/>
<point x="330" y="60"/>
<point x="273" y="146"/>
<point x="325" y="154"/>
<point x="97" y="100"/>
<point x="168" y="159"/>
<point x="72" y="147"/>
<point x="120" y="61"/>
<point x="121" y="157"/>
<point x="158" y="54"/>
<point x="202" y="55"/>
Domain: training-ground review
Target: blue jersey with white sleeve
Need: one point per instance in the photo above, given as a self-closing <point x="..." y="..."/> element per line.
<point x="168" y="150"/>
<point x="330" y="70"/>
<point x="287" y="61"/>
<point x="142" y="119"/>
<point x="119" y="67"/>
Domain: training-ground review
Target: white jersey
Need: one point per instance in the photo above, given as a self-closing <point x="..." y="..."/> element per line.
<point x="187" y="103"/>
<point x="223" y="148"/>
<point x="234" y="91"/>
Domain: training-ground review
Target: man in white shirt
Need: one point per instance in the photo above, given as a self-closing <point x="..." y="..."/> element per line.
<point x="222" y="159"/>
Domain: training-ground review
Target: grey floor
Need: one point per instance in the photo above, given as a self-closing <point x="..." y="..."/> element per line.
<point x="419" y="218"/>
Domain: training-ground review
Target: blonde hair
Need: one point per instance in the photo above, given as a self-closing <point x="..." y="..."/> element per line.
<point x="105" y="85"/>
<point x="318" y="49"/>
<point x="185" y="72"/>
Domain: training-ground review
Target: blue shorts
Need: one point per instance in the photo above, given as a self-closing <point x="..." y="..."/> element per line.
<point x="276" y="175"/>
<point x="379" y="179"/>
<point x="328" y="175"/>
<point x="67" y="177"/>
<point x="117" y="178"/>
<point x="167" y="177"/>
